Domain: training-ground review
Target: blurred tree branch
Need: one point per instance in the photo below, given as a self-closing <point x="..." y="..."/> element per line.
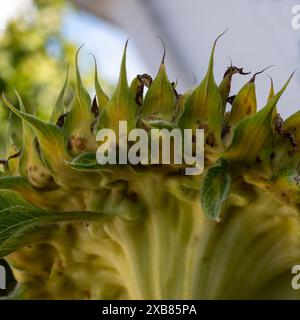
<point x="33" y="60"/>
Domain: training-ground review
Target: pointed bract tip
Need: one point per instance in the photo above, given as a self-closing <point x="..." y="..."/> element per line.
<point x="21" y="105"/>
<point x="67" y="73"/>
<point x="4" y="98"/>
<point x="231" y="65"/>
<point x="219" y="36"/>
<point x="290" y="77"/>
<point x="195" y="78"/>
<point x="95" y="66"/>
<point x="76" y="65"/>
<point x="95" y="62"/>
<point x="295" y="70"/>
<point x="278" y="95"/>
<point x="213" y="50"/>
<point x="7" y="102"/>
<point x="123" y="73"/>
<point x="242" y="72"/>
<point x="77" y="52"/>
<point x="91" y="54"/>
<point x="164" y="48"/>
<point x="271" y="79"/>
<point x="260" y="72"/>
<point x="125" y="51"/>
<point x="126" y="43"/>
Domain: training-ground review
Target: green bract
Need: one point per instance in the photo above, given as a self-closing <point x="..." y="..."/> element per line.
<point x="74" y="229"/>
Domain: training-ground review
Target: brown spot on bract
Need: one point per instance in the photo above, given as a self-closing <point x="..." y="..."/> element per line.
<point x="278" y="123"/>
<point x="272" y="155"/>
<point x="80" y="143"/>
<point x="95" y="108"/>
<point x="225" y="130"/>
<point x="139" y="95"/>
<point x="258" y="160"/>
<point x="181" y="171"/>
<point x="133" y="196"/>
<point x="71" y="142"/>
<point x="292" y="139"/>
<point x="145" y="79"/>
<point x="210" y="139"/>
<point x="202" y="126"/>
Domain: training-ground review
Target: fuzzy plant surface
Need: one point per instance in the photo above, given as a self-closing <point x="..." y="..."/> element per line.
<point x="71" y="228"/>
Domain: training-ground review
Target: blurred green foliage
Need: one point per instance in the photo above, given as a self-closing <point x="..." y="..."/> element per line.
<point x="33" y="60"/>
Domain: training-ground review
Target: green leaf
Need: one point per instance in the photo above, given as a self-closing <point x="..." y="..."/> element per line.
<point x="85" y="161"/>
<point x="215" y="189"/>
<point x="21" y="222"/>
<point x="17" y="184"/>
<point x="22" y="187"/>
